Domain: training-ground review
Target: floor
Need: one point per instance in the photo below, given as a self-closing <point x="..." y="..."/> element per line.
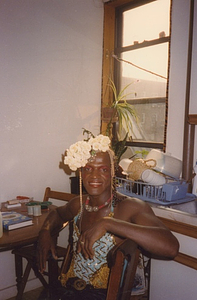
<point x="31" y="295"/>
<point x="34" y="294"/>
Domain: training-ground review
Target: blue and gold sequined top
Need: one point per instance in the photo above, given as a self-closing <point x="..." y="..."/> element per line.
<point x="93" y="271"/>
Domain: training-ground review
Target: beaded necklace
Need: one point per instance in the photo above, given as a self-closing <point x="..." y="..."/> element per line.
<point x="90" y="208"/>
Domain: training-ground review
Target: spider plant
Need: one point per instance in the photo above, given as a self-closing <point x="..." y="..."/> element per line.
<point x="124" y="110"/>
<point x="119" y="148"/>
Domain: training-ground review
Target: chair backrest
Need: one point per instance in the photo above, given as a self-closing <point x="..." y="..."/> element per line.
<point x="49" y="194"/>
<point x="123" y="261"/>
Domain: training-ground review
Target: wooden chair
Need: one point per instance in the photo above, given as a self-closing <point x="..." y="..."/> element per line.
<point x="29" y="253"/>
<point x="123" y="261"/>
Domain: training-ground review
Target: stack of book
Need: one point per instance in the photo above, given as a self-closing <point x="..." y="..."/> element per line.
<point x="17" y="202"/>
<point x="13" y="220"/>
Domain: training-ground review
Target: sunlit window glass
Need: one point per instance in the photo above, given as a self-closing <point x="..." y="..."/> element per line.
<point x="143" y="63"/>
<point x="146" y="22"/>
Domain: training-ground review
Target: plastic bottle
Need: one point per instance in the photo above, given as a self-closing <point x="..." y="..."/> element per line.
<point x="194" y="188"/>
<point x="1" y="225"/>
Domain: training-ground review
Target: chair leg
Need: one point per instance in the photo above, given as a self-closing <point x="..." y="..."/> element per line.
<point x="53" y="272"/>
<point x="18" y="270"/>
<point x="39" y="275"/>
<point x="21" y="278"/>
<point x="23" y="282"/>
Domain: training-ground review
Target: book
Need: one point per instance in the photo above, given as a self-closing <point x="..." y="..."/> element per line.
<point x="12" y="205"/>
<point x="18" y="200"/>
<point x="13" y="220"/>
<point x="13" y="201"/>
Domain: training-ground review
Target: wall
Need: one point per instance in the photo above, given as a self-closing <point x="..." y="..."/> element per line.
<point x="170" y="280"/>
<point x="178" y="74"/>
<point x="50" y="88"/>
<point x="50" y="83"/>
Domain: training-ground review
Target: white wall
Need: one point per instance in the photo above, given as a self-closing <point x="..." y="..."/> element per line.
<point x="178" y="73"/>
<point x="170" y="280"/>
<point x="50" y="83"/>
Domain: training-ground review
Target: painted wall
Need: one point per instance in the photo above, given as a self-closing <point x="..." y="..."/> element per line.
<point x="170" y="280"/>
<point x="50" y="83"/>
<point x="178" y="73"/>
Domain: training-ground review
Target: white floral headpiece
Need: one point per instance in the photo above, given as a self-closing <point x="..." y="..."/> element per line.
<point x="79" y="153"/>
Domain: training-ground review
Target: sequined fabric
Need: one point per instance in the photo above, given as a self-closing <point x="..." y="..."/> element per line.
<point x="94" y="271"/>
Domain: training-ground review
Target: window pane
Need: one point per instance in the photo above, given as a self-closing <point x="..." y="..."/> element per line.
<point x="151" y="122"/>
<point x="146" y="22"/>
<point x="146" y="84"/>
<point x="150" y="126"/>
<point x="145" y="68"/>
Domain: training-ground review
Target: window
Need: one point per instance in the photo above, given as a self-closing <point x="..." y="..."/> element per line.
<point x="141" y="53"/>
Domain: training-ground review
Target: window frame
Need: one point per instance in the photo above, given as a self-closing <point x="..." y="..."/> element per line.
<point x="110" y="46"/>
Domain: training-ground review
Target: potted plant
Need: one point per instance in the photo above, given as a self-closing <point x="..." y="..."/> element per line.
<point x="120" y="110"/>
<point x="123" y="113"/>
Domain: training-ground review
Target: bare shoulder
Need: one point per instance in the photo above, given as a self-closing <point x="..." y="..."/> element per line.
<point x="133" y="203"/>
<point x="135" y="210"/>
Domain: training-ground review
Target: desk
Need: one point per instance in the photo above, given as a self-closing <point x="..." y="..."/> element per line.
<point x="14" y="239"/>
<point x="25" y="235"/>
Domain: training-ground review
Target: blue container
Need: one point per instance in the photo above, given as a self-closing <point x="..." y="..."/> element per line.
<point x="174" y="190"/>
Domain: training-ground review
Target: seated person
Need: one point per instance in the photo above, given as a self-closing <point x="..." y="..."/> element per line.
<point x="101" y="219"/>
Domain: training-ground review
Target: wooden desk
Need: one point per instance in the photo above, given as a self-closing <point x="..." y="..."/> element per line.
<point x="25" y="235"/>
<point x="13" y="239"/>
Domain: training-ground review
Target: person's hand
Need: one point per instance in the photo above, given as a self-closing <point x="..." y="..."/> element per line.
<point x="89" y="237"/>
<point x="45" y="244"/>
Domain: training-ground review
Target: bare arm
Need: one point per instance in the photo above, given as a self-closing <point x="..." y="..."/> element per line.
<point x="155" y="239"/>
<point x="134" y="220"/>
<point x="50" y="229"/>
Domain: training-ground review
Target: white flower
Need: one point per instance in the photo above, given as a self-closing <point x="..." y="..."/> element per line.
<point x="79" y="153"/>
<point x="100" y="143"/>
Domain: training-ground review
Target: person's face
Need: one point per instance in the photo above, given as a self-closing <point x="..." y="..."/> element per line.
<point x="96" y="175"/>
